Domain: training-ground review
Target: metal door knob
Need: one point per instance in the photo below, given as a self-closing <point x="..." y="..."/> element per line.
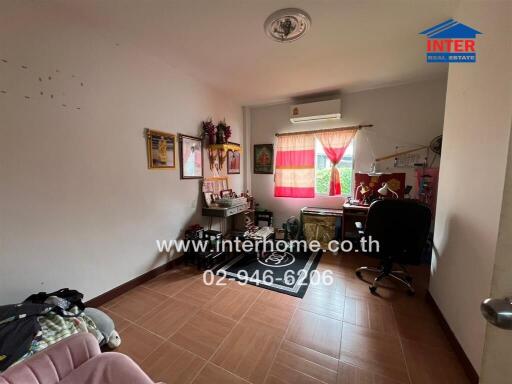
<point x="498" y="312"/>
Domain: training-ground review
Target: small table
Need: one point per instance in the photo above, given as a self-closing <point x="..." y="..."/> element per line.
<point x="352" y="214"/>
<point x="223" y="213"/>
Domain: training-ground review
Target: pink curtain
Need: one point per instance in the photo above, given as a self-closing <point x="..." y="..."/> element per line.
<point x="335" y="143"/>
<point x="295" y="166"/>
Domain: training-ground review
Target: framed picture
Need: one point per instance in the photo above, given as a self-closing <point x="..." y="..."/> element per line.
<point x="233" y="162"/>
<point x="208" y="198"/>
<point x="226" y="193"/>
<point x="161" y="149"/>
<point x="264" y="158"/>
<point x="215" y="184"/>
<point x="191" y="157"/>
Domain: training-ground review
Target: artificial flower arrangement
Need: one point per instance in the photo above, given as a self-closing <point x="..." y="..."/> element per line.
<point x="209" y="130"/>
<point x="219" y="134"/>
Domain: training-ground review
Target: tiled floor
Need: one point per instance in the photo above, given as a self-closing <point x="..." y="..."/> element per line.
<point x="183" y="331"/>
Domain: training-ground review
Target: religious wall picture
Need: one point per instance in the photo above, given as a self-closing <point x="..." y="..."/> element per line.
<point x="233" y="162"/>
<point x="264" y="158"/>
<point x="191" y="157"/>
<point x="161" y="147"/>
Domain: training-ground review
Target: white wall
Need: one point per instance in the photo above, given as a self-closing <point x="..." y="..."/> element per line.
<point x="476" y="142"/>
<point x="402" y="115"/>
<point x="78" y="206"/>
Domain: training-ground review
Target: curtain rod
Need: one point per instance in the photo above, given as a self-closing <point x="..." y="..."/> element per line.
<point x="324" y="130"/>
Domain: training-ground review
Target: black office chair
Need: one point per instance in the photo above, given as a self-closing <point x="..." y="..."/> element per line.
<point x="401" y="228"/>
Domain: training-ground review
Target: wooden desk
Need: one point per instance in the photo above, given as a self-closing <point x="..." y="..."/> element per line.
<point x="351" y="215"/>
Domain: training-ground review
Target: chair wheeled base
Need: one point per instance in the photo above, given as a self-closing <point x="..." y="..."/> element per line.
<point x="385" y="270"/>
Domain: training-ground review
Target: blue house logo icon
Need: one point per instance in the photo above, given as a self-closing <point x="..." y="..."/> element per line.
<point x="451" y="42"/>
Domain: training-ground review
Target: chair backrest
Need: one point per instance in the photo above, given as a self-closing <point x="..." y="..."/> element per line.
<point x="401" y="227"/>
<point x="53" y="364"/>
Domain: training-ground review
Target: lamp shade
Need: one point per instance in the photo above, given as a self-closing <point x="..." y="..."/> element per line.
<point x="383" y="190"/>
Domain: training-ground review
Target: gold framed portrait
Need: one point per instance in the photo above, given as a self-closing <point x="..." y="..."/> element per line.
<point x="161" y="149"/>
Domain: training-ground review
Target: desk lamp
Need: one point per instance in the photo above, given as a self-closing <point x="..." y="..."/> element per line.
<point x="363" y="189"/>
<point x="383" y="191"/>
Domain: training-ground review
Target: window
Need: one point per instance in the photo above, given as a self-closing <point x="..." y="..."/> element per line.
<point x="323" y="170"/>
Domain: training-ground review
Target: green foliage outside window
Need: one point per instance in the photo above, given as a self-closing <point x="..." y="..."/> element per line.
<point x="323" y="176"/>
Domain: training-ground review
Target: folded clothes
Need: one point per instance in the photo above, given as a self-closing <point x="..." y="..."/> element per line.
<point x="18" y="327"/>
<point x="40" y="321"/>
<point x="55" y="327"/>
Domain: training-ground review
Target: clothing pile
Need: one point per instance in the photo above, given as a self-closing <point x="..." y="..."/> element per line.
<point x="40" y="321"/>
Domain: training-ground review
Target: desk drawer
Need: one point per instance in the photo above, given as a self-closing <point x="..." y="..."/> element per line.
<point x="231" y="211"/>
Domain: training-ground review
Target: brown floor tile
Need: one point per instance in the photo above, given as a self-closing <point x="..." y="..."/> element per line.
<point x="211" y="374"/>
<point x="268" y="328"/>
<point x="416" y="306"/>
<point x="331" y="259"/>
<point x="282" y="374"/>
<point x="172" y="364"/>
<point x="324" y="302"/>
<point x="378" y="335"/>
<point x="237" y="286"/>
<point x="136" y="303"/>
<point x="170" y="283"/>
<point x="430" y="365"/>
<point x="233" y="303"/>
<point x="348" y="374"/>
<point x="278" y="298"/>
<point x="350" y="262"/>
<point x="368" y="314"/>
<point x="316" y="332"/>
<point x="376" y="352"/>
<point x="166" y="319"/>
<point x="198" y="292"/>
<point x="138" y="343"/>
<point x="248" y="352"/>
<point x="120" y="323"/>
<point x="359" y="289"/>
<point x="203" y="333"/>
<point x="338" y="283"/>
<point x="339" y="272"/>
<point x="271" y="314"/>
<point x="422" y="330"/>
<point x="307" y="362"/>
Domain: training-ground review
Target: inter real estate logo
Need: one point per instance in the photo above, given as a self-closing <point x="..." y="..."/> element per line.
<point x="451" y="42"/>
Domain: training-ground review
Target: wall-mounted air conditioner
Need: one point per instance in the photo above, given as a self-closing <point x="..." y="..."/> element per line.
<point x="317" y="111"/>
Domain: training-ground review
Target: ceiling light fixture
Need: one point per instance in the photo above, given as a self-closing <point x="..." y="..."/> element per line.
<point x="287" y="25"/>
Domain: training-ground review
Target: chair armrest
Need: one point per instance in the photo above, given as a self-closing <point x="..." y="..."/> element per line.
<point x="108" y="368"/>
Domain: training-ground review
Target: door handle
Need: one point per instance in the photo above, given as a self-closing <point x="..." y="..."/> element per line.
<point x="498" y="312"/>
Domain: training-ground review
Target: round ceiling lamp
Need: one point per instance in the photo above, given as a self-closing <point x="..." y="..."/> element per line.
<point x="287" y="25"/>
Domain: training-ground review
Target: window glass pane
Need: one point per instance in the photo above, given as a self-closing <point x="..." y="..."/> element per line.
<point x="323" y="170"/>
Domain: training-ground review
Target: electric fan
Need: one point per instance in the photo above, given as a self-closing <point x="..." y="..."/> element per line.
<point x="436" y="144"/>
<point x="292" y="228"/>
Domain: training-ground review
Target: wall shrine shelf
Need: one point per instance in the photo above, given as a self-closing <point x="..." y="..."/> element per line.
<point x="219" y="152"/>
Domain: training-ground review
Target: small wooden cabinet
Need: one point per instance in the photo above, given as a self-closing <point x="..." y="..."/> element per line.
<point x="321" y="224"/>
<point x="351" y="215"/>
